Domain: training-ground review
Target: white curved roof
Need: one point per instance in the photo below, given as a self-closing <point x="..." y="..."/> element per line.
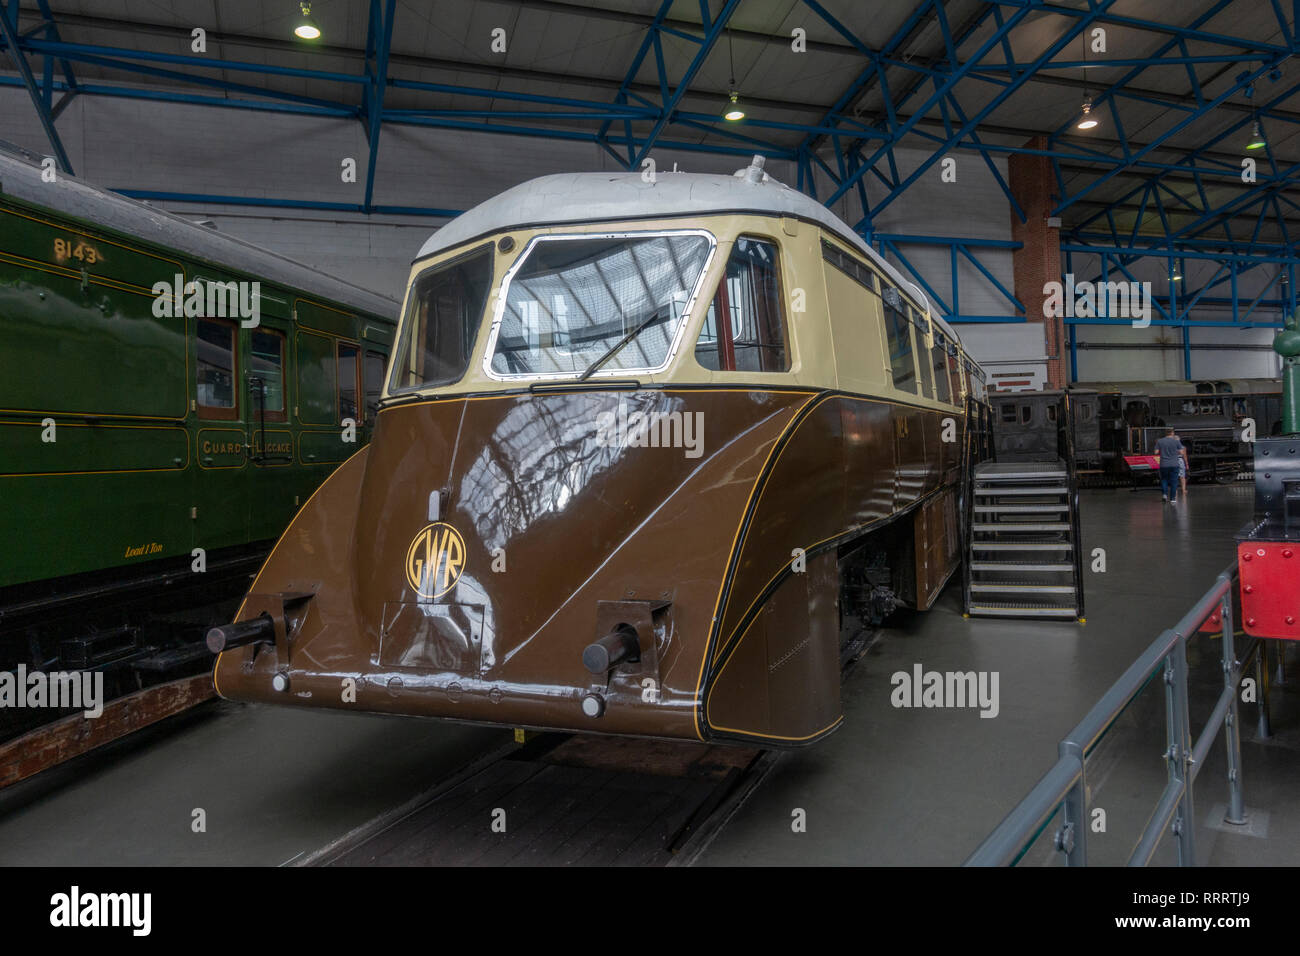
<point x="592" y="197"/>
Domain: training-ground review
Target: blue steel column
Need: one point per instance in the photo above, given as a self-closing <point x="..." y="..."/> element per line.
<point x="10" y="31"/>
<point x="375" y="96"/>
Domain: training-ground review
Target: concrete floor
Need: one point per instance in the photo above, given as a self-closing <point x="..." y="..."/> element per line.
<point x="275" y="783"/>
<point x="892" y="786"/>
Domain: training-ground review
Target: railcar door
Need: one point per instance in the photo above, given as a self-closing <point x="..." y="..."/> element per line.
<point x="330" y="412"/>
<point x="269" y="442"/>
<point x="219" y="506"/>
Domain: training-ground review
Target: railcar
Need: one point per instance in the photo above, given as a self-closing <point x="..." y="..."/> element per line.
<point x="1117" y="419"/>
<point x="152" y="449"/>
<point x="1026" y="425"/>
<point x="1210" y="417"/>
<point x="642" y="446"/>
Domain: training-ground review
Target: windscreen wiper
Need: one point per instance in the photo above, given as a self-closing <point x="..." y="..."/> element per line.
<point x="618" y="346"/>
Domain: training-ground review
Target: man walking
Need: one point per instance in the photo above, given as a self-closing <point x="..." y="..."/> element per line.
<point x="1170" y="450"/>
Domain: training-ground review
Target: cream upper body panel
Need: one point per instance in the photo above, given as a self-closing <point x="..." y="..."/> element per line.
<point x="826" y="349"/>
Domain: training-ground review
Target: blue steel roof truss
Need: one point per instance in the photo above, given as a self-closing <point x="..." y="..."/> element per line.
<point x="840" y="152"/>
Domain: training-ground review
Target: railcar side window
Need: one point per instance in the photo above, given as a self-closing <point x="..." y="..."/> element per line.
<point x="267" y="366"/>
<point x="954" y="376"/>
<point x="754" y="339"/>
<point x="604" y="304"/>
<point x="442" y="322"/>
<point x="922" y="359"/>
<point x="1009" y="414"/>
<point x="898" y="331"/>
<point x="215" y="369"/>
<point x="348" y="368"/>
<point x="939" y="356"/>
<point x="374" y="381"/>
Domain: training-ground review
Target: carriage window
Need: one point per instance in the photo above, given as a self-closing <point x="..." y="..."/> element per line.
<point x="1026" y="413"/>
<point x="1009" y="414"/>
<point x="754" y="338"/>
<point x="939" y="356"/>
<point x="374" y="381"/>
<point x="348" y="381"/>
<point x="954" y="377"/>
<point x="442" y="322"/>
<point x="267" y="367"/>
<point x="1051" y="413"/>
<point x="898" y="331"/>
<point x="927" y="386"/>
<point x="1087" y="413"/>
<point x="215" y="369"/>
<point x="605" y="304"/>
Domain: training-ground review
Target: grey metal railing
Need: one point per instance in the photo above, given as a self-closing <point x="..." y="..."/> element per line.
<point x="1064" y="786"/>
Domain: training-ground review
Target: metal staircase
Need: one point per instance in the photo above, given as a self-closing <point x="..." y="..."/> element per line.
<point x="1023" y="549"/>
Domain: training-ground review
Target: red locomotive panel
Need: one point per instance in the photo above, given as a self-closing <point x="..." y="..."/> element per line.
<point x="1270" y="588"/>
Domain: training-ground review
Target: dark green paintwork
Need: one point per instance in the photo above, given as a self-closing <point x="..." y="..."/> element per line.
<point x="134" y="474"/>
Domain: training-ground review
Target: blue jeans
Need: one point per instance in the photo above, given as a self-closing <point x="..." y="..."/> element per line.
<point x="1169" y="482"/>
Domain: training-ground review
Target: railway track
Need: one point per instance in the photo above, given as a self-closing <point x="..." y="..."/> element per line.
<point x="567" y="799"/>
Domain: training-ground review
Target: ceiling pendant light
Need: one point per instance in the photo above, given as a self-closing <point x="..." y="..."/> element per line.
<point x="1257" y="140"/>
<point x="1176" y="273"/>
<point x="306" y="28"/>
<point x="733" y="112"/>
<point x="1086" y="121"/>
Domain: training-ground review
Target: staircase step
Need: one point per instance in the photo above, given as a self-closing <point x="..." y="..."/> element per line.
<point x="1021" y="587"/>
<point x="1019" y="566"/>
<point x="1035" y="469"/>
<point x="1003" y="544"/>
<point x="1017" y="526"/>
<point x="1020" y="476"/>
<point x="1023" y="610"/>
<point x="1022" y="509"/>
<point x="1023" y="490"/>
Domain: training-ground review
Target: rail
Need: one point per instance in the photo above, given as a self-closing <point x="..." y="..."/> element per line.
<point x="1065" y="436"/>
<point x="1064" y="787"/>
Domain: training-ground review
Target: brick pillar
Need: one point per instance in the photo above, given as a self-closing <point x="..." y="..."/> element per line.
<point x="1038" y="261"/>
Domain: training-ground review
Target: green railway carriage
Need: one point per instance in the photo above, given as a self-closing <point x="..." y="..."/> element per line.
<point x="163" y="388"/>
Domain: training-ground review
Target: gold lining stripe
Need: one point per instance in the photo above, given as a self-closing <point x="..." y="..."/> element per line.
<point x="706" y="657"/>
<point x="716" y="621"/>
<point x="727" y="643"/>
<point x="109" y="471"/>
<point x="278" y="541"/>
<point x="98" y="238"/>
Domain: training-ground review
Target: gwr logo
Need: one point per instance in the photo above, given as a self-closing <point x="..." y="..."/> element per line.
<point x="435" y="559"/>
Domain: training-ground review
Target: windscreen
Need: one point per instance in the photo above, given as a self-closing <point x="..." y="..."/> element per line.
<point x="615" y="303"/>
<point x="442" y="321"/>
